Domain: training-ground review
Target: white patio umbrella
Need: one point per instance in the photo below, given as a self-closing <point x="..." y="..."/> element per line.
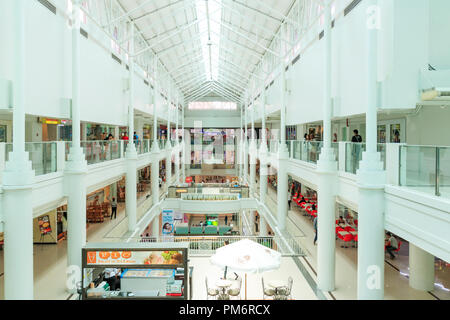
<point x="246" y="256"/>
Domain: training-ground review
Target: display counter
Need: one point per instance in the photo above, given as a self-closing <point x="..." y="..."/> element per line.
<point x="135" y="271"/>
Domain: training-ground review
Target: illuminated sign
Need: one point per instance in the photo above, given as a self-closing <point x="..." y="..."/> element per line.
<point x="134" y="257"/>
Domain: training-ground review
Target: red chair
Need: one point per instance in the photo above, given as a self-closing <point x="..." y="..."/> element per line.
<point x="347" y="238"/>
<point x="348" y="229"/>
<point x="399" y="245"/>
<point x="356" y="222"/>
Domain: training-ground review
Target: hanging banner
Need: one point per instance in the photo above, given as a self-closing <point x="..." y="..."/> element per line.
<point x="167" y="222"/>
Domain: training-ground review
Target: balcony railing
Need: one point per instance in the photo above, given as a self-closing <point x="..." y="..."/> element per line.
<point x="425" y="168"/>
<point x="353" y="155"/>
<point x="207" y="245"/>
<point x="42" y="155"/>
<point x="198" y="188"/>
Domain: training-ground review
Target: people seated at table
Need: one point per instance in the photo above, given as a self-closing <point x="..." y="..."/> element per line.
<point x="391" y="244"/>
<point x="302" y="200"/>
<point x="313" y="207"/>
<point x="341" y="220"/>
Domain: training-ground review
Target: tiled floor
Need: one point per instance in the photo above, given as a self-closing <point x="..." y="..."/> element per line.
<point x="203" y="268"/>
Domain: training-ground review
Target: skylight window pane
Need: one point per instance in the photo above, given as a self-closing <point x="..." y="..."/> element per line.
<point x="210" y="11"/>
<point x="212" y="105"/>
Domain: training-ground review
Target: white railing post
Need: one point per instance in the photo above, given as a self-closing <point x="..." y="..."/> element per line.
<point x="342" y="155"/>
<point x="60" y="155"/>
<point x="393" y="163"/>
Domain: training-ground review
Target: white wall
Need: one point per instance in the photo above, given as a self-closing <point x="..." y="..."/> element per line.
<point x="429" y="127"/>
<point x="439" y="40"/>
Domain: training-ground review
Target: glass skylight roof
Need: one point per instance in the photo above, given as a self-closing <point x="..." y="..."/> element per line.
<point x="209" y="13"/>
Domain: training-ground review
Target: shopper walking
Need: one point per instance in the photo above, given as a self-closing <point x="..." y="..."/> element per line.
<point x="113" y="208"/>
<point x="315" y="230"/>
<point x="289" y="199"/>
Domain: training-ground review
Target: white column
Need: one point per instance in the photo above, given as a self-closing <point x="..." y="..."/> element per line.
<point x="251" y="222"/>
<point x="262" y="226"/>
<point x="241" y="147"/>
<point x="131" y="154"/>
<point x="183" y="146"/>
<point x="177" y="149"/>
<point x="155" y="148"/>
<point x="168" y="144"/>
<point x="263" y="168"/>
<point x="283" y="155"/>
<point x="76" y="168"/>
<point x="421" y="269"/>
<point x="17" y="181"/>
<point x="252" y="153"/>
<point x="371" y="181"/>
<point x="155" y="226"/>
<point x="245" y="144"/>
<point x="327" y="174"/>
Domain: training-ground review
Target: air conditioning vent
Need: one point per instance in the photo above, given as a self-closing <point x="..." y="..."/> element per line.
<point x="295" y="59"/>
<point x="48" y="5"/>
<point x="321" y="35"/>
<point x="351" y="6"/>
<point x="146" y="82"/>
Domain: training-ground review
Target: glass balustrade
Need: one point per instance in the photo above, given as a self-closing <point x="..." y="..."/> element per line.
<point x="41" y="154"/>
<point x="353" y="155"/>
<point x="425" y="168"/>
<point x="99" y="151"/>
<point x="306" y="150"/>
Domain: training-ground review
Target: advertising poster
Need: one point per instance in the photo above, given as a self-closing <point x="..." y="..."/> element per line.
<point x="134" y="258"/>
<point x="167" y="222"/>
<point x="44" y="225"/>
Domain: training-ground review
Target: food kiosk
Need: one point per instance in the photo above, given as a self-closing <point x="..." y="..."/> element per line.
<point x="143" y="270"/>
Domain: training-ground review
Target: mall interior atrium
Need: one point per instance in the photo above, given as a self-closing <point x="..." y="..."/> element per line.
<point x="224" y="150"/>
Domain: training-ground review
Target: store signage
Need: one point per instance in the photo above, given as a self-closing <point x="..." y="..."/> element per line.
<point x="134" y="257"/>
<point x="44" y="225"/>
<point x="50" y="121"/>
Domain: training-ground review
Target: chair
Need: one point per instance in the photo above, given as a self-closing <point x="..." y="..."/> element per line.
<point x="211" y="292"/>
<point x="347" y="238"/>
<point x="286" y="291"/>
<point x="235" y="289"/>
<point x="267" y="292"/>
<point x="398" y="249"/>
<point x="196" y="230"/>
<point x="211" y="229"/>
<point x="182" y="229"/>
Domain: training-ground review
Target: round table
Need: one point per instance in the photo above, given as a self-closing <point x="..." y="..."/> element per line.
<point x="277" y="284"/>
<point x="224" y="285"/>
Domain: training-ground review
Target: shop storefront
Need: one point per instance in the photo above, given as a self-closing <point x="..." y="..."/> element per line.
<point x="136" y="271"/>
<point x="99" y="132"/>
